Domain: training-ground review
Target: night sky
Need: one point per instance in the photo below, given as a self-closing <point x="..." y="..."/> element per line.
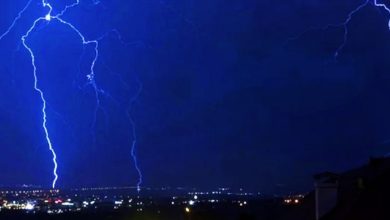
<point x="227" y="99"/>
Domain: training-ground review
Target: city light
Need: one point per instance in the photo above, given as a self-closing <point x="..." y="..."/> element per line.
<point x="55" y="202"/>
<point x="29" y="206"/>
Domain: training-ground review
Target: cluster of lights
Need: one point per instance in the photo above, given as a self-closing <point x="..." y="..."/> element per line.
<point x="224" y="191"/>
<point x="48" y="201"/>
<point x="56" y="202"/>
<point x="291" y="201"/>
<point x="14" y="205"/>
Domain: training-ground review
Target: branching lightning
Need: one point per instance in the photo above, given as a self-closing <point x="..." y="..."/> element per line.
<point x="49" y="17"/>
<point x="387" y="9"/>
<point x="16" y="19"/>
<point x="41" y="94"/>
<point x="130" y="117"/>
<point x="344" y="24"/>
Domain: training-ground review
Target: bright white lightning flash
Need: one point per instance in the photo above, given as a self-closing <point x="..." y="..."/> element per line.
<point x="48" y="17"/>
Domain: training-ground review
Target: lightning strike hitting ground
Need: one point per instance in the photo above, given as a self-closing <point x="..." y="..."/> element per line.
<point x="134" y="136"/>
<point x="48" y="17"/>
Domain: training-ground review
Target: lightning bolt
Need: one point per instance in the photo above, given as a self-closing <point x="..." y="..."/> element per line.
<point x="16" y="19"/>
<point x="130" y="117"/>
<point x="387" y="9"/>
<point x="47" y="18"/>
<point x="36" y="85"/>
<point x="91" y="76"/>
<point x="345" y="23"/>
<point x="134" y="136"/>
<point x="42" y="96"/>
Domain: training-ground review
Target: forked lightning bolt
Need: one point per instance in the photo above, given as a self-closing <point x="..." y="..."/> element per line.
<point x="49" y="17"/>
<point x="15" y="20"/>
<point x="344" y="24"/>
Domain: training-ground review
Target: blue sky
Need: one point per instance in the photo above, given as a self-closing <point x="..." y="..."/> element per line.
<point x="227" y="99"/>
